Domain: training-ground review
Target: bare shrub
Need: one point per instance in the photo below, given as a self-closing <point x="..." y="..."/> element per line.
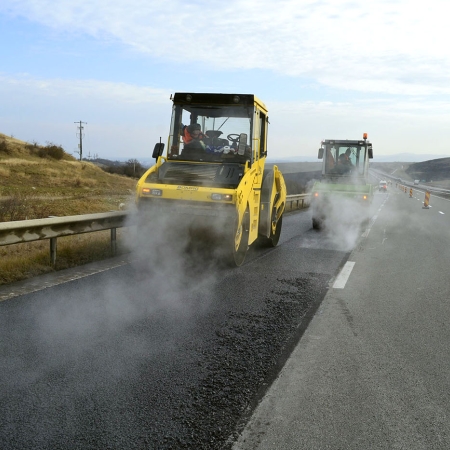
<point x="33" y="147"/>
<point x="54" y="151"/>
<point x="4" y="148"/>
<point x="131" y="168"/>
<point x="12" y="208"/>
<point x="41" y="152"/>
<point x="48" y="151"/>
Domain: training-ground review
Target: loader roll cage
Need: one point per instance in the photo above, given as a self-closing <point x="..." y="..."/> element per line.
<point x="226" y="124"/>
<point x="345" y="158"/>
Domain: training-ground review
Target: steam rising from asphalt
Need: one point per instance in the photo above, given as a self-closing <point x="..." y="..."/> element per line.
<point x="169" y="278"/>
<point x="179" y="247"/>
<point x="81" y="339"/>
<point x="345" y="220"/>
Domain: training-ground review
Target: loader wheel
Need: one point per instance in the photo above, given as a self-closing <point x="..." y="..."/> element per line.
<point x="240" y="241"/>
<point x="272" y="240"/>
<point x="316" y="224"/>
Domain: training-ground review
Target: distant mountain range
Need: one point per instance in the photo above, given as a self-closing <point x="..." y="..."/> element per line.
<point x="398" y="157"/>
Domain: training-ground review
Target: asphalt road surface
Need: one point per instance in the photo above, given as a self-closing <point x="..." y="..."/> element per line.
<point x="166" y="352"/>
<point x="170" y="352"/>
<point x="372" y="369"/>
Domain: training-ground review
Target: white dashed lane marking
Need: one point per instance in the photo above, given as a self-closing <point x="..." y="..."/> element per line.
<point x="341" y="279"/>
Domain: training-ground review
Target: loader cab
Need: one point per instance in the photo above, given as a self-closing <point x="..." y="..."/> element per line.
<point x="345" y="158"/>
<point x="233" y="129"/>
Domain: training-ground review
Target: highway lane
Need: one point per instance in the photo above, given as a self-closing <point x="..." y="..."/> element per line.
<point x="436" y="203"/>
<point x="163" y="352"/>
<point x="379" y="175"/>
<point x="372" y="369"/>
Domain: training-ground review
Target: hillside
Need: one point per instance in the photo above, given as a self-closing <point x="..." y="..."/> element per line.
<point x="37" y="181"/>
<point x="436" y="170"/>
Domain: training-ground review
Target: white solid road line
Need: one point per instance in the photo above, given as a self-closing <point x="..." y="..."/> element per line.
<point x="45" y="281"/>
<point x="341" y="279"/>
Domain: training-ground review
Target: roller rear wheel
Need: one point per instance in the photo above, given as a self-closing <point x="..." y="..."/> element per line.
<point x="272" y="240"/>
<point x="240" y="241"/>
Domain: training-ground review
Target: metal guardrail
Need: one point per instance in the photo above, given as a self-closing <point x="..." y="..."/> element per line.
<point x="38" y="229"/>
<point x="299" y="200"/>
<point x="424" y="187"/>
<point x="21" y="231"/>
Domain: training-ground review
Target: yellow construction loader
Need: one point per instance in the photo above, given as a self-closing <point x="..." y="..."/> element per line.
<point x="212" y="176"/>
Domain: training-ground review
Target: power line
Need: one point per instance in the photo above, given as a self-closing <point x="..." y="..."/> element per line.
<point x="80" y="145"/>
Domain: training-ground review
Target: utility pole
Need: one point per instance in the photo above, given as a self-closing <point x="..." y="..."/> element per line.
<point x="80" y="145"/>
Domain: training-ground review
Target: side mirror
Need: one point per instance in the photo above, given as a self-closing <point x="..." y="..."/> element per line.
<point x="157" y="151"/>
<point x="370" y="151"/>
<point x="320" y="155"/>
<point x="242" y="143"/>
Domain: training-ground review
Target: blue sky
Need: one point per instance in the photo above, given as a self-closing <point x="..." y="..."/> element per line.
<point x="325" y="69"/>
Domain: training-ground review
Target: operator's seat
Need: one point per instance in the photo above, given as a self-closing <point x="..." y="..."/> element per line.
<point x="214" y="139"/>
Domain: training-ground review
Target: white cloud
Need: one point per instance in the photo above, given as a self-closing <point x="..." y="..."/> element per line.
<point x="377" y="46"/>
<point x="122" y="119"/>
<point x="125" y="120"/>
<point x="91" y="89"/>
<point x="388" y="63"/>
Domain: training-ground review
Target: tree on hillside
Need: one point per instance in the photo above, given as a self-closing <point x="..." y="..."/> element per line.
<point x="133" y="168"/>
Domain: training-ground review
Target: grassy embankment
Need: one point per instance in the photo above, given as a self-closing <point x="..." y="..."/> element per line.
<point x="41" y="181"/>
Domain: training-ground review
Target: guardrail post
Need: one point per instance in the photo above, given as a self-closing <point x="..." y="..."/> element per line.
<point x="297" y="201"/>
<point x="53" y="245"/>
<point x="113" y="241"/>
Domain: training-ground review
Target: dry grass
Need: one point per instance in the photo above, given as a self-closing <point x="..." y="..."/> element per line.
<point x="11" y="162"/>
<point x="22" y="261"/>
<point x="24" y="170"/>
<point x="47" y="186"/>
<point x="33" y="187"/>
<point x="4" y="172"/>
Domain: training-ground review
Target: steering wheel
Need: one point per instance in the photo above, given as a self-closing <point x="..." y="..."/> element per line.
<point x="233" y="138"/>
